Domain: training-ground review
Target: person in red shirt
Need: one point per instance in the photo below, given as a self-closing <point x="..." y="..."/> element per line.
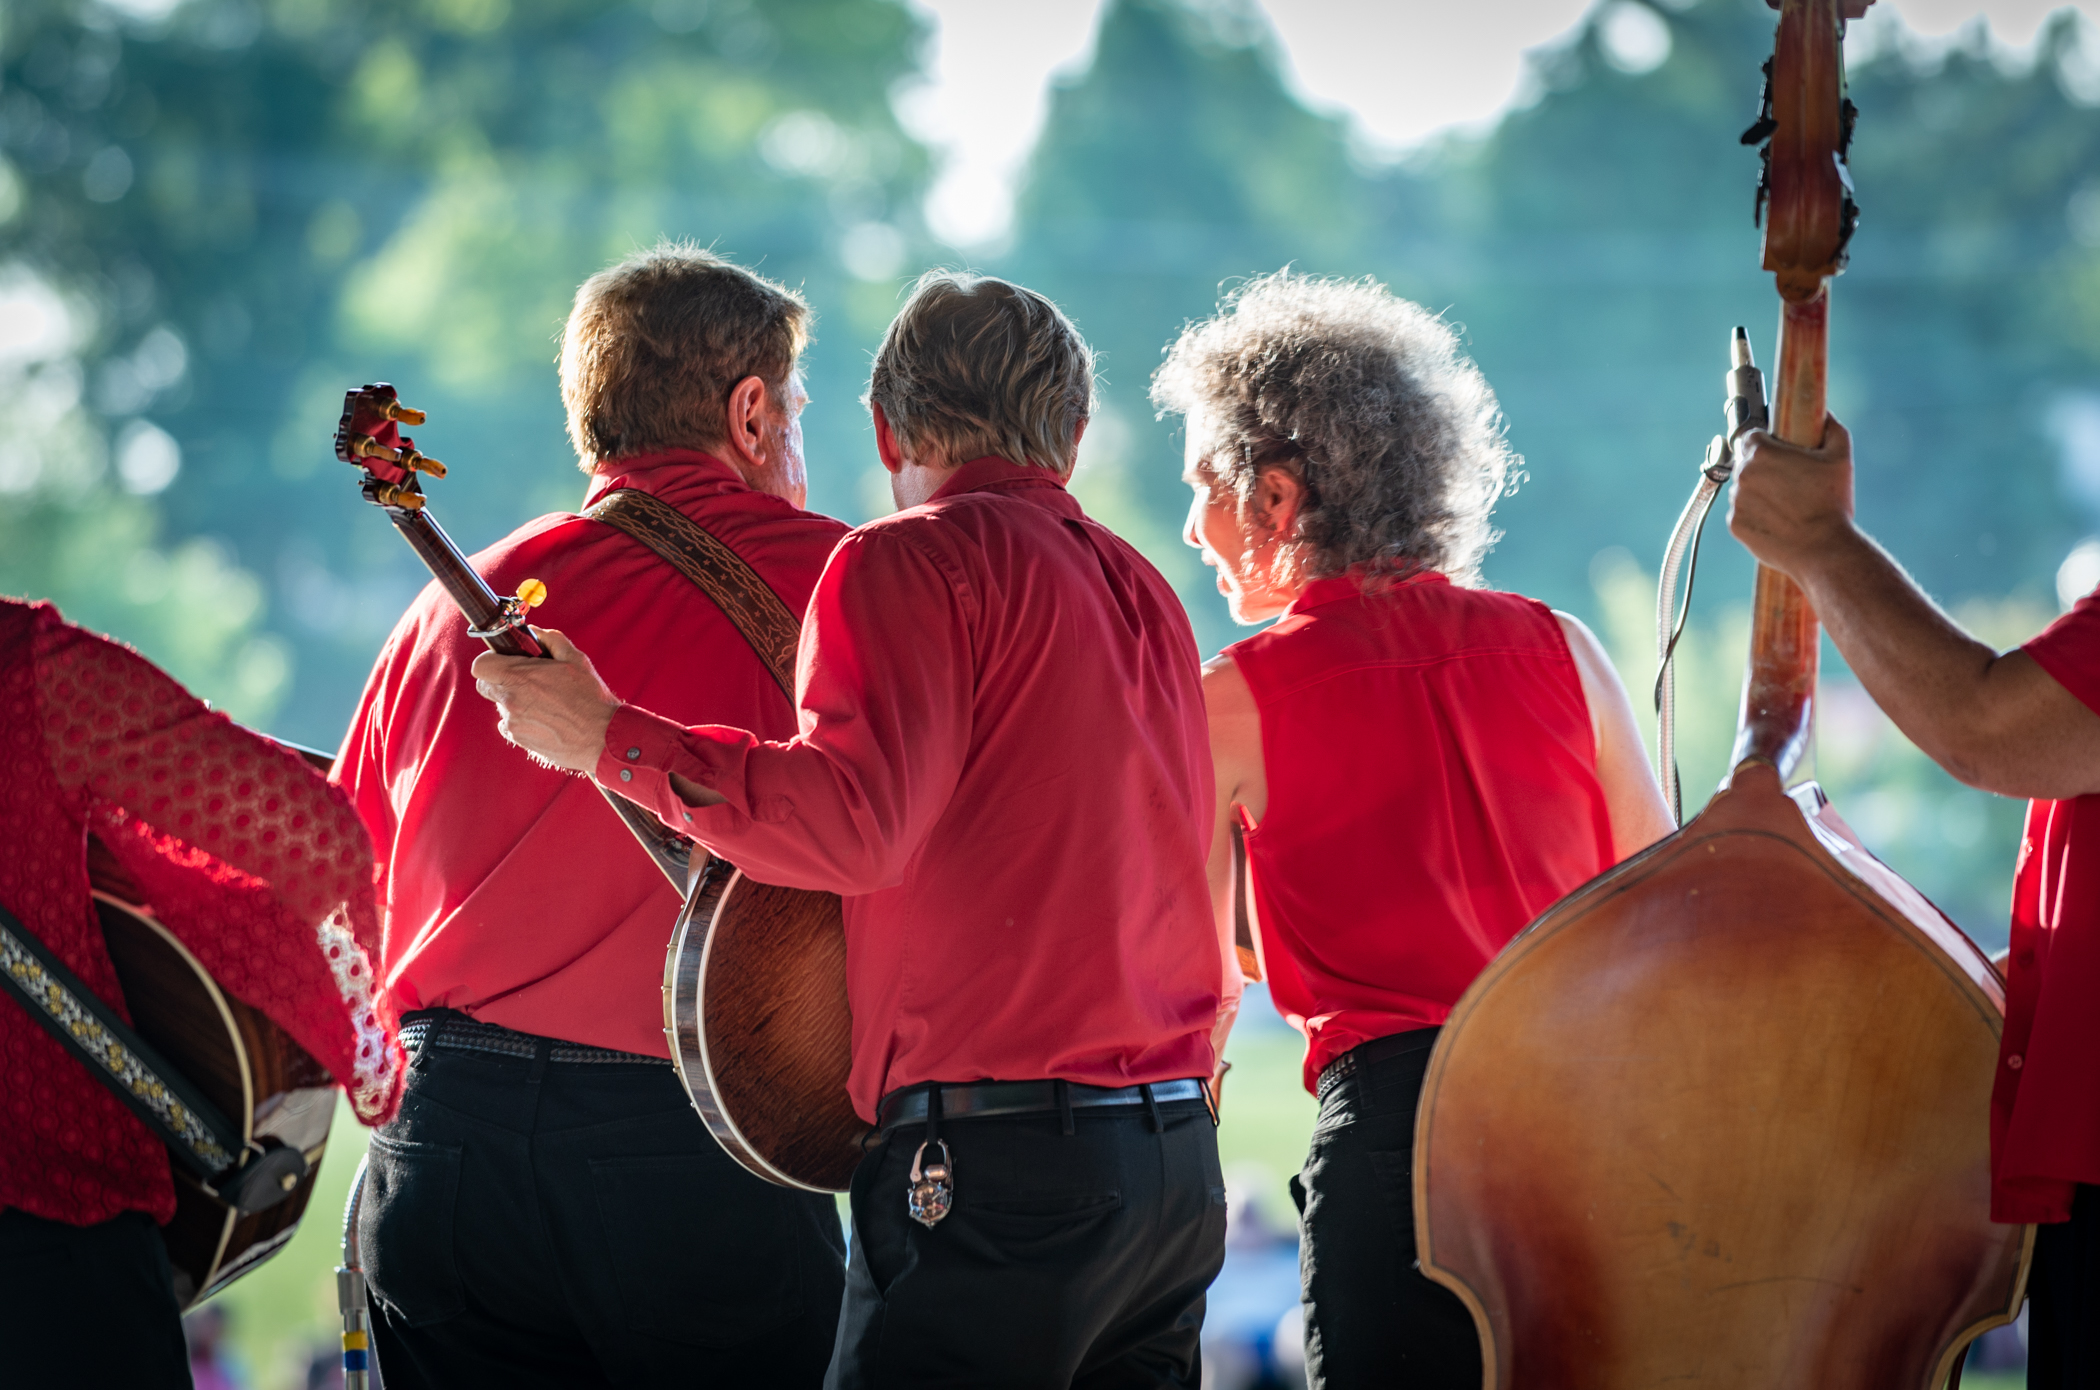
<point x="1002" y="764"/>
<point x="2020" y="723"/>
<point x="1419" y="765"/>
<point x="254" y="863"/>
<point x="549" y="1209"/>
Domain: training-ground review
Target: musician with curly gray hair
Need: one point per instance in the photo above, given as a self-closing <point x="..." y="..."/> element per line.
<point x="1416" y="764"/>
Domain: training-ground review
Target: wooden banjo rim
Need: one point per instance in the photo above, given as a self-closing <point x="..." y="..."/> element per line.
<point x="743" y="1151"/>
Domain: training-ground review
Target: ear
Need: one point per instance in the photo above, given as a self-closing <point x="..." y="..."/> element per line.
<point x="1279" y="496"/>
<point x="744" y="415"/>
<point x="886" y="440"/>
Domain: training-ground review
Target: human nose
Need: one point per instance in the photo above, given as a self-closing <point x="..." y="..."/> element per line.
<point x="1192" y="524"/>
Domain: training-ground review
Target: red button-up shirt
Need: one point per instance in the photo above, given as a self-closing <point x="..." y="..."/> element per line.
<point x="1004" y="766"/>
<point x="246" y="854"/>
<point x="1447" y="721"/>
<point x="511" y="891"/>
<point x="2045" y="1107"/>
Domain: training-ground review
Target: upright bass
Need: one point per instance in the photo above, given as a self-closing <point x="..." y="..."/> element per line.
<point x="1720" y="1115"/>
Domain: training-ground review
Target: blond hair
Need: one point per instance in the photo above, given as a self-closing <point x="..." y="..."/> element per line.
<point x="975" y="366"/>
<point x="655" y="344"/>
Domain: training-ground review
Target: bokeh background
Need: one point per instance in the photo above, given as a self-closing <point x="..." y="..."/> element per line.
<point x="215" y="215"/>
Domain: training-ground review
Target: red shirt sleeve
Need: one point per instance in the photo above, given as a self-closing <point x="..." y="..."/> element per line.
<point x="247" y="854"/>
<point x="885" y="685"/>
<point x="2069" y="650"/>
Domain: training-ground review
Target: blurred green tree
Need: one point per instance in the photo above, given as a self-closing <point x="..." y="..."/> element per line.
<point x="225" y="212"/>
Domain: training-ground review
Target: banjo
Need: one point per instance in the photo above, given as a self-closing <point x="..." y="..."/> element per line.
<point x="754" y="986"/>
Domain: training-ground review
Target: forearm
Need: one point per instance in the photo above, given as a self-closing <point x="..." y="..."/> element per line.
<point x="801" y="814"/>
<point x="1931" y="678"/>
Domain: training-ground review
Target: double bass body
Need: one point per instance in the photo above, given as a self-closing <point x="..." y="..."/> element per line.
<point x="1720" y="1117"/>
<point x="1717" y="1119"/>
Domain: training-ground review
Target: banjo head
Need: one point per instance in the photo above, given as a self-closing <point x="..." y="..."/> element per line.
<point x="755" y="1012"/>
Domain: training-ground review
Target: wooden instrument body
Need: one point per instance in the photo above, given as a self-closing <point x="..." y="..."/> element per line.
<point x="760" y="1031"/>
<point x="246" y="1065"/>
<point x="1721" y="1116"/>
<point x="1673" y="1135"/>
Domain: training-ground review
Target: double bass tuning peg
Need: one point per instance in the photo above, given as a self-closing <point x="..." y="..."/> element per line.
<point x="403" y="414"/>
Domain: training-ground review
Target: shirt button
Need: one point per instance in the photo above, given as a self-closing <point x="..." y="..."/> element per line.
<point x="688" y="817"/>
<point x="2015" y="1061"/>
<point x="634" y="753"/>
<point x="626" y="774"/>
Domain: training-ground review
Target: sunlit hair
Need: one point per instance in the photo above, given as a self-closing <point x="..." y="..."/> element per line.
<point x="974" y="366"/>
<point x="655" y="344"/>
<point x="1367" y="398"/>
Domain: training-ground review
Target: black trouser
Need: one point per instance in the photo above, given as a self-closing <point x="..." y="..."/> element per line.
<point x="88" y="1305"/>
<point x="1371" y="1317"/>
<point x="537" y="1223"/>
<point x="1067" y="1260"/>
<point x="2063" y="1299"/>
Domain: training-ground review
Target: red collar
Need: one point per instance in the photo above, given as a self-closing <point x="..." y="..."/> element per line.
<point x="647" y="472"/>
<point x="992" y="473"/>
<point x="1347" y="586"/>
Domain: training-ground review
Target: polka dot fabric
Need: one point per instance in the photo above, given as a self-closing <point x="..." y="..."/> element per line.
<point x="246" y="853"/>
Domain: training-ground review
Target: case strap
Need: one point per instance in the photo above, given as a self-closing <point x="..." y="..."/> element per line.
<point x="727" y="579"/>
<point x="200" y="1138"/>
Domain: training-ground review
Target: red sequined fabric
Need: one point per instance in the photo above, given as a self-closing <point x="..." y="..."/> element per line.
<point x="244" y="852"/>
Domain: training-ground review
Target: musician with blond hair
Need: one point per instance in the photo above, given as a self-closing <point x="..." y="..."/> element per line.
<point x="548" y="1210"/>
<point x="1002" y="765"/>
<point x="1419" y="764"/>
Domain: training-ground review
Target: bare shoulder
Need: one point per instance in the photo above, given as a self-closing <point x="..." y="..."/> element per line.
<point x="1225" y="691"/>
<point x="1591" y="660"/>
<point x="1582" y="643"/>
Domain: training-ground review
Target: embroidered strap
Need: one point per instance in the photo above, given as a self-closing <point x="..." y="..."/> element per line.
<point x="719" y="572"/>
<point x="200" y="1138"/>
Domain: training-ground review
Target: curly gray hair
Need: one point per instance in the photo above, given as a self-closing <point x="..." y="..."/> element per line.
<point x="1393" y="431"/>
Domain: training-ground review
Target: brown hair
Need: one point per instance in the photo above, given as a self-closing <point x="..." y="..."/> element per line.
<point x="974" y="365"/>
<point x="655" y="344"/>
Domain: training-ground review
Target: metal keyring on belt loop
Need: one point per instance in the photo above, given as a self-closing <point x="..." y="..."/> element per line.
<point x="513" y="617"/>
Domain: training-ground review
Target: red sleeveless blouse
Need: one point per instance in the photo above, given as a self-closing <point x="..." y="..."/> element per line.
<point x="1433" y="787"/>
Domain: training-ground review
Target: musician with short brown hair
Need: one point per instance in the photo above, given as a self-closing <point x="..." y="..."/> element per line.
<point x="1002" y="765"/>
<point x="549" y="1210"/>
<point x="1419" y="764"/>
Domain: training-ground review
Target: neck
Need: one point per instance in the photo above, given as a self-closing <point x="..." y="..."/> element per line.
<point x="915" y="483"/>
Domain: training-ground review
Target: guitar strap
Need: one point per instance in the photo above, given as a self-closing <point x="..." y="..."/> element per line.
<point x="197" y="1135"/>
<point x="744" y="597"/>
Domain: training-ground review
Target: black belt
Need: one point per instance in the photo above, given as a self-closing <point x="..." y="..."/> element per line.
<point x="449" y="1031"/>
<point x="1367" y="1054"/>
<point x="980" y="1099"/>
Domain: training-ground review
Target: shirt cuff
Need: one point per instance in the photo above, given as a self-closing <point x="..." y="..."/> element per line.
<point x="642" y="750"/>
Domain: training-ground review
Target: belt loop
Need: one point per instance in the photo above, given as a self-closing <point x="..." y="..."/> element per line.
<point x="1064" y="1104"/>
<point x="1145" y="1089"/>
<point x="933" y="1113"/>
<point x="542" y="1049"/>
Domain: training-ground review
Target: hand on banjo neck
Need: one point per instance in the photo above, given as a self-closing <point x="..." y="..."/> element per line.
<point x="559" y="709"/>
